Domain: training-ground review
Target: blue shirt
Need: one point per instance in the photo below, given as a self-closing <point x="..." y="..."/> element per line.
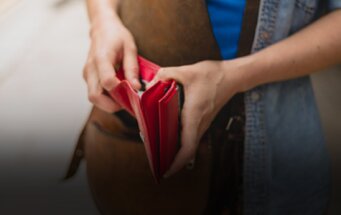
<point x="226" y="19"/>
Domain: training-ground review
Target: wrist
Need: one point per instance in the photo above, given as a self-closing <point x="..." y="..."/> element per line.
<point x="105" y="14"/>
<point x="102" y="9"/>
<point x="246" y="72"/>
<point x="101" y="20"/>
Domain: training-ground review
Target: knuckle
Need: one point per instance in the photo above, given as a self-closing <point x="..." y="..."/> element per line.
<point x="128" y="37"/>
<point x="107" y="82"/>
<point x="161" y="73"/>
<point x="86" y="71"/>
<point x="99" y="59"/>
<point x="90" y="60"/>
<point x="93" y="97"/>
<point x="164" y="71"/>
<point x="131" y="47"/>
<point x="85" y="76"/>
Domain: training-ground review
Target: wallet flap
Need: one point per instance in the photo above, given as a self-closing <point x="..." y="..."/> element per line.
<point x="124" y="95"/>
<point x="169" y="124"/>
<point x="147" y="70"/>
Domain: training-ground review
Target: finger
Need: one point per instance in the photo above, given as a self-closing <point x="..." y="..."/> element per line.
<point x="106" y="73"/>
<point x="95" y="92"/>
<point x="131" y="68"/>
<point x="107" y="104"/>
<point x="169" y="73"/>
<point x="183" y="157"/>
<point x="189" y="136"/>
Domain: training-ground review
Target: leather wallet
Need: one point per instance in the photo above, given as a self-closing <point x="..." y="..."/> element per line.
<point x="157" y="112"/>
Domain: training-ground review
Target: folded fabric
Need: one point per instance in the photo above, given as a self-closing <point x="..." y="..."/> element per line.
<point x="157" y="112"/>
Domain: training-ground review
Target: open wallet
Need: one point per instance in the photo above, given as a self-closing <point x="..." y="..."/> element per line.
<point x="157" y="112"/>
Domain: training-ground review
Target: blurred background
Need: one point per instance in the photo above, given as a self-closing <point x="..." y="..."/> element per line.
<point x="43" y="106"/>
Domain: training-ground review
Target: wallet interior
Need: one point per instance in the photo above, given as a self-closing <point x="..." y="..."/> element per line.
<point x="157" y="112"/>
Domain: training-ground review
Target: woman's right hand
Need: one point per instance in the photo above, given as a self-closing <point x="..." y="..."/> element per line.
<point x="111" y="44"/>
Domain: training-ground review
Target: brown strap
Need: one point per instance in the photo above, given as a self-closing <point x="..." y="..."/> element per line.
<point x="79" y="151"/>
<point x="227" y="165"/>
<point x="77" y="157"/>
<point x="249" y="26"/>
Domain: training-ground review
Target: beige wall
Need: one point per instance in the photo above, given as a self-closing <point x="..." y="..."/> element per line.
<point x="327" y="87"/>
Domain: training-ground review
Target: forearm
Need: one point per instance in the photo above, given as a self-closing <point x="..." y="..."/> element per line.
<point x="312" y="49"/>
<point x="102" y="9"/>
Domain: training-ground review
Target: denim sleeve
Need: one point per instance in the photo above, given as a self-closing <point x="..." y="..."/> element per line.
<point x="334" y="4"/>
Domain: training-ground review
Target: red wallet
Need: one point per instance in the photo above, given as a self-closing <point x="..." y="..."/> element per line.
<point x="157" y="112"/>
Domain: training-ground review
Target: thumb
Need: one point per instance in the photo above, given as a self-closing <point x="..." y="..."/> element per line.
<point x="167" y="73"/>
<point x="189" y="143"/>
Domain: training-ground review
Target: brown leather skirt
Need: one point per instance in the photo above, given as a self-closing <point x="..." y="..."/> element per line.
<point x="121" y="181"/>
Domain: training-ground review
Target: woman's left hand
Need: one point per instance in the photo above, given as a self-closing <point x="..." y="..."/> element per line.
<point x="208" y="85"/>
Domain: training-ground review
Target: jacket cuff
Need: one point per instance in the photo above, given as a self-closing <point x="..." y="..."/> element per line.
<point x="334" y="4"/>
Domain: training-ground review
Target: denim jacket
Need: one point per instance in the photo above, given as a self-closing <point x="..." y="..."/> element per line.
<point x="286" y="168"/>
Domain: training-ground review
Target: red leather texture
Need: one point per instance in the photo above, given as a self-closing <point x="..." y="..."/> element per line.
<point x="157" y="114"/>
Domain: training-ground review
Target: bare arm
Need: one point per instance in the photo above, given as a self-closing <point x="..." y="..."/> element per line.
<point x="312" y="49"/>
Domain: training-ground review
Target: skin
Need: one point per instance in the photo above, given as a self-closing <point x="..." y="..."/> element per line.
<point x="111" y="44"/>
<point x="312" y="49"/>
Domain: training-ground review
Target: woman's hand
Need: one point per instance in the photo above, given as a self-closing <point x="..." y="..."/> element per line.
<point x="208" y="85"/>
<point x="111" y="44"/>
